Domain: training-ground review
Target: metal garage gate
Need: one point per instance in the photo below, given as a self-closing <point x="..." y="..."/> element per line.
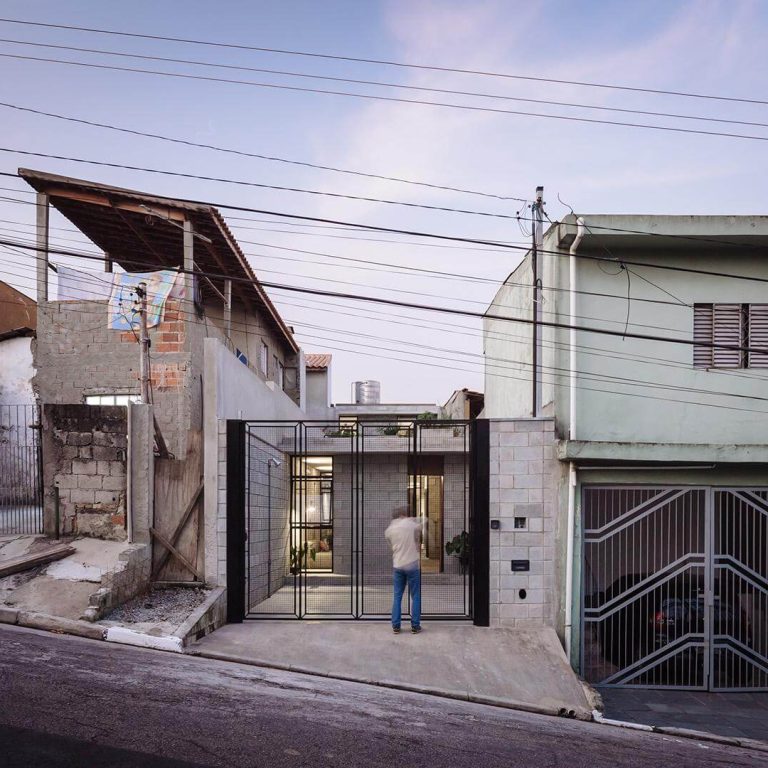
<point x="318" y="497"/>
<point x="675" y="587"/>
<point x="21" y="487"/>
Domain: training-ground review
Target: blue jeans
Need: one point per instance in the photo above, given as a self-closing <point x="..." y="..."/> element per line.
<point x="412" y="576"/>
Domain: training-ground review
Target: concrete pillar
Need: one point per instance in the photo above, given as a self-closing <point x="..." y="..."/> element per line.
<point x="141" y="472"/>
<point x="228" y="307"/>
<point x="189" y="266"/>
<point x="43" y="211"/>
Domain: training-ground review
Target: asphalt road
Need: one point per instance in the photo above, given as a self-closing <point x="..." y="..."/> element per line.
<point x="65" y="701"/>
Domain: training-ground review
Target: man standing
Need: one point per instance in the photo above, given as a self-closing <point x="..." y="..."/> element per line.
<point x="404" y="537"/>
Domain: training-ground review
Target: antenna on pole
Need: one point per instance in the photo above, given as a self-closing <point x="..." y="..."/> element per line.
<point x="141" y="292"/>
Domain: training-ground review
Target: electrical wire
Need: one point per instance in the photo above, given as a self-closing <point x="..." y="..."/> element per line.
<point x="336" y="281"/>
<point x="547" y="369"/>
<point x="415" y="233"/>
<point x="391" y="99"/>
<point x="381" y="84"/>
<point x="243" y="153"/>
<point x="383" y="62"/>
<point x="413" y="305"/>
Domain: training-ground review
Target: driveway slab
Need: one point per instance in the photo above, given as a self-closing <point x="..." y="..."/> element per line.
<point x="519" y="668"/>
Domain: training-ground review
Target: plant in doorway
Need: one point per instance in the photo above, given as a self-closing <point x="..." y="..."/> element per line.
<point x="460" y="547"/>
<point x="299" y="557"/>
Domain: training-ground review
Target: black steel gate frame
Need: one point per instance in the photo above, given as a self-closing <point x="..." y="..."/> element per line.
<point x="479" y="465"/>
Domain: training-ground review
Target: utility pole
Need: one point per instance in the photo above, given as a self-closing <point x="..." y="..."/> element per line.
<point x="141" y="292"/>
<point x="537" y="236"/>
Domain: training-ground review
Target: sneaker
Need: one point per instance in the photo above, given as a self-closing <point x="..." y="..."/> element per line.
<point x="416" y="630"/>
<point x="396" y="630"/>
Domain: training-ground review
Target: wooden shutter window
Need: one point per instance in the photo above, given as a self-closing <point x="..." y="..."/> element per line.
<point x="758" y="334"/>
<point x="729" y="330"/>
<point x="702" y="331"/>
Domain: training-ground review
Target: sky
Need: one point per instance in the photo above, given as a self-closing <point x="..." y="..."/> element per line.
<point x="702" y="46"/>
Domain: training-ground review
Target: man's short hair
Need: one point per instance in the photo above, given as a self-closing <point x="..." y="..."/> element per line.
<point x="399" y="512"/>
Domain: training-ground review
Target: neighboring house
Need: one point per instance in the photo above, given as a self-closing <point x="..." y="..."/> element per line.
<point x="19" y="476"/>
<point x="18" y="321"/>
<point x="220" y="350"/>
<point x="464" y="404"/>
<point x="80" y="358"/>
<point x="318" y="400"/>
<point x="660" y="493"/>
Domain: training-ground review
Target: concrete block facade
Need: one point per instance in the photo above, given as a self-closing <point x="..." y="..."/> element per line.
<point x="523" y="485"/>
<point x="85" y="450"/>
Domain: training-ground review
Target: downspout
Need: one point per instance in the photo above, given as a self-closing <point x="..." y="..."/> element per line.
<point x="571" y="525"/>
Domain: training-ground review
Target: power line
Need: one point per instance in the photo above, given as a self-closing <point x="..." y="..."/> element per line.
<point x="384" y="62"/>
<point x="392" y="99"/>
<point x="415" y="305"/>
<point x="399" y="268"/>
<point x="335" y="281"/>
<point x="548" y="369"/>
<point x="379" y="84"/>
<point x="241" y="182"/>
<point x="271" y="158"/>
<point x="455" y="238"/>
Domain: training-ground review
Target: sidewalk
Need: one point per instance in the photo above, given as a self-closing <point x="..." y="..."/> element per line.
<point x="739" y="715"/>
<point x="514" y="668"/>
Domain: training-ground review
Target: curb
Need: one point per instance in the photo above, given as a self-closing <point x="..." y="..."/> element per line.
<point x="126" y="636"/>
<point x="57" y="624"/>
<point x="685" y="733"/>
<point x="490" y="701"/>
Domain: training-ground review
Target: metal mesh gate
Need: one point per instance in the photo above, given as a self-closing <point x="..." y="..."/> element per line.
<point x="675" y="591"/>
<point x="21" y="497"/>
<point x="319" y="497"/>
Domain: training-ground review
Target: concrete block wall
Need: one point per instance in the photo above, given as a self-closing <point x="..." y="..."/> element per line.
<point x="455" y="504"/>
<point x="85" y="456"/>
<point x="218" y="574"/>
<point x="77" y="355"/>
<point x="129" y="578"/>
<point x="523" y="483"/>
<point x="267" y="516"/>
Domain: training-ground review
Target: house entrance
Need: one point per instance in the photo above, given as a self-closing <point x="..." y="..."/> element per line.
<point x="317" y="499"/>
<point x="675" y="590"/>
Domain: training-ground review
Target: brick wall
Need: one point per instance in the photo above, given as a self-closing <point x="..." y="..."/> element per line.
<point x="523" y="483"/>
<point x="84" y="450"/>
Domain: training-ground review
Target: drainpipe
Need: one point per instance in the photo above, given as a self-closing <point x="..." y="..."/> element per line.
<point x="571" y="526"/>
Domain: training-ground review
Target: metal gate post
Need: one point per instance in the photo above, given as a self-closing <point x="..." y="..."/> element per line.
<point x="236" y="538"/>
<point x="479" y="477"/>
<point x="709" y="587"/>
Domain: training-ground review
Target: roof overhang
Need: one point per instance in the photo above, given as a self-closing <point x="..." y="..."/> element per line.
<point x="142" y="232"/>
<point x="694" y="234"/>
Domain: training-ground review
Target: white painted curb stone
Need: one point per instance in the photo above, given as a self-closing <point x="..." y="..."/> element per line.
<point x="130" y="637"/>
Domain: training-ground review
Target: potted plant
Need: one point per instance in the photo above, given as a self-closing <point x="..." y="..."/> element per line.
<point x="460" y="546"/>
<point x="299" y="557"/>
<point x="390" y="429"/>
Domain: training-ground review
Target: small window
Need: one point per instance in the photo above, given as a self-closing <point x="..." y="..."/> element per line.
<point x="111" y="399"/>
<point x="733" y="326"/>
<point x="264" y="359"/>
<point x="280" y="374"/>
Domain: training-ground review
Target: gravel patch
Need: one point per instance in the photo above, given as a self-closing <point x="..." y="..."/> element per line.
<point x="170" y="606"/>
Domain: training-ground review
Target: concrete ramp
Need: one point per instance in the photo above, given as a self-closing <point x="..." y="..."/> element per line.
<point x="524" y="669"/>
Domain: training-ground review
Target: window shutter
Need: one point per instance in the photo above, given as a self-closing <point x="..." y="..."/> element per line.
<point x="728" y="330"/>
<point x="702" y="331"/>
<point x="758" y="334"/>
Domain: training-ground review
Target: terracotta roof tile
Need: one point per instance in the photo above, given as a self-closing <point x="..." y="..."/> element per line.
<point x="317" y="362"/>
